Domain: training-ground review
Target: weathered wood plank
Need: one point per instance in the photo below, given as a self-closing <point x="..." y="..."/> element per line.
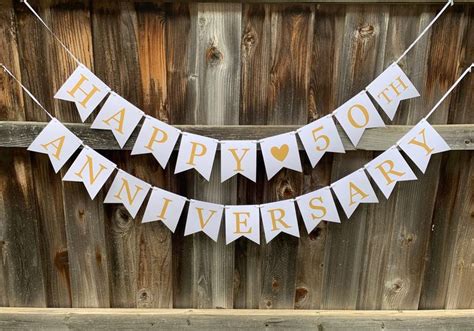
<point x="362" y="48"/>
<point x="21" y="134"/>
<point x="242" y="319"/>
<point x="21" y="265"/>
<point x="154" y="246"/>
<point x="291" y="36"/>
<point x="117" y="64"/>
<point x="217" y="61"/>
<point x="84" y="259"/>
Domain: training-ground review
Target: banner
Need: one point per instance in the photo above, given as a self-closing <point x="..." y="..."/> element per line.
<point x="157" y="138"/>
<point x="196" y="152"/>
<point x="356" y="115"/>
<point x="317" y="206"/>
<point x="319" y="137"/>
<point x="119" y="116"/>
<point x="164" y="206"/>
<point x="129" y="191"/>
<point x="353" y="190"/>
<point x="56" y="141"/>
<point x="391" y="87"/>
<point x="279" y="217"/>
<point x="280" y="152"/>
<point x="421" y="142"/>
<point x="242" y="221"/>
<point x="84" y="89"/>
<point x="238" y="157"/>
<point x="389" y="168"/>
<point x="205" y="217"/>
<point x="90" y="168"/>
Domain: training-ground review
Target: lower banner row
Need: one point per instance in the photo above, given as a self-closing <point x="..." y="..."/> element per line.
<point x="93" y="169"/>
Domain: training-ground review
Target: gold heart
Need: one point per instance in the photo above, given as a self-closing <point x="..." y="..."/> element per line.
<point x="280" y="153"/>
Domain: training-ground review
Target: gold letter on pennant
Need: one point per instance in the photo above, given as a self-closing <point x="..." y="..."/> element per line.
<point x="125" y="185"/>
<point x="239" y="222"/>
<point x="153" y="140"/>
<point x="201" y="217"/>
<point x="423" y="143"/>
<point x="89" y="94"/>
<point x="321" y="208"/>
<point x="58" y="146"/>
<point x="354" y="190"/>
<point x="276" y="219"/>
<point x="89" y="162"/>
<point x="195" y="153"/>
<point x="119" y="120"/>
<point x="364" y="112"/>
<point x="390" y="170"/>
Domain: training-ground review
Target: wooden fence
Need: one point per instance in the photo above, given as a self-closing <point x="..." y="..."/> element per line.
<point x="225" y="64"/>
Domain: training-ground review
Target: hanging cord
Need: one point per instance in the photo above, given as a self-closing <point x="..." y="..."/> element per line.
<point x="51" y="31"/>
<point x="448" y="4"/>
<point x="26" y="91"/>
<point x="468" y="70"/>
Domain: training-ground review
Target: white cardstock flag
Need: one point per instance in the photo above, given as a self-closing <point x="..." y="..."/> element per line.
<point x="421" y="142"/>
<point x="196" y="152"/>
<point x="84" y="89"/>
<point x="129" y="191"/>
<point x="119" y="116"/>
<point x="56" y="141"/>
<point x="391" y="87"/>
<point x="92" y="169"/>
<point x="164" y="206"/>
<point x="389" y="168"/>
<point x="279" y="217"/>
<point x="279" y="152"/>
<point x="356" y="115"/>
<point x="242" y="221"/>
<point x="319" y="137"/>
<point x="238" y="157"/>
<point x="158" y="138"/>
<point x="205" y="217"/>
<point x="353" y="190"/>
<point x="317" y="206"/>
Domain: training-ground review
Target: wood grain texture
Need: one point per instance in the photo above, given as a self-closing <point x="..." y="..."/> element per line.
<point x="21" y="134"/>
<point x="361" y="46"/>
<point x="217" y="63"/>
<point x="23" y="278"/>
<point x="242" y="319"/>
<point x="154" y="245"/>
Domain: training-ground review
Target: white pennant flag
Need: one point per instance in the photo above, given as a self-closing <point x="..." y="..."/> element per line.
<point x="205" y="217"/>
<point x="317" y="206"/>
<point x="391" y="87"/>
<point x="319" y="137"/>
<point x="353" y="190"/>
<point x="389" y="168"/>
<point x="356" y="115"/>
<point x="279" y="217"/>
<point x="119" y="116"/>
<point x="238" y="157"/>
<point x="279" y="152"/>
<point x="84" y="89"/>
<point x="164" y="206"/>
<point x="129" y="191"/>
<point x="92" y="169"/>
<point x="196" y="152"/>
<point x="56" y="141"/>
<point x="242" y="220"/>
<point x="421" y="142"/>
<point x="158" y="138"/>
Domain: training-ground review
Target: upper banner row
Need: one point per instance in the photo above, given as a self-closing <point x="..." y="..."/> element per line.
<point x="197" y="152"/>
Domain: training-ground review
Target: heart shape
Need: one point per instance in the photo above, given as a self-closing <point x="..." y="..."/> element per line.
<point x="280" y="153"/>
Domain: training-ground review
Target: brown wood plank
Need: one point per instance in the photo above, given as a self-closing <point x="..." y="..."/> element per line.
<point x="83" y="217"/>
<point x="361" y="46"/>
<point x="412" y="220"/>
<point x="154" y="246"/>
<point x="23" y="281"/>
<point x="181" y="84"/>
<point x="21" y="134"/>
<point x="291" y="36"/>
<point x="242" y="319"/>
<point x="217" y="33"/>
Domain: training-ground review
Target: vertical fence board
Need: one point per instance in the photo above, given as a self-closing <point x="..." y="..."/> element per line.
<point x="22" y="253"/>
<point x="153" y="239"/>
<point x="217" y="28"/>
<point x="291" y="35"/>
